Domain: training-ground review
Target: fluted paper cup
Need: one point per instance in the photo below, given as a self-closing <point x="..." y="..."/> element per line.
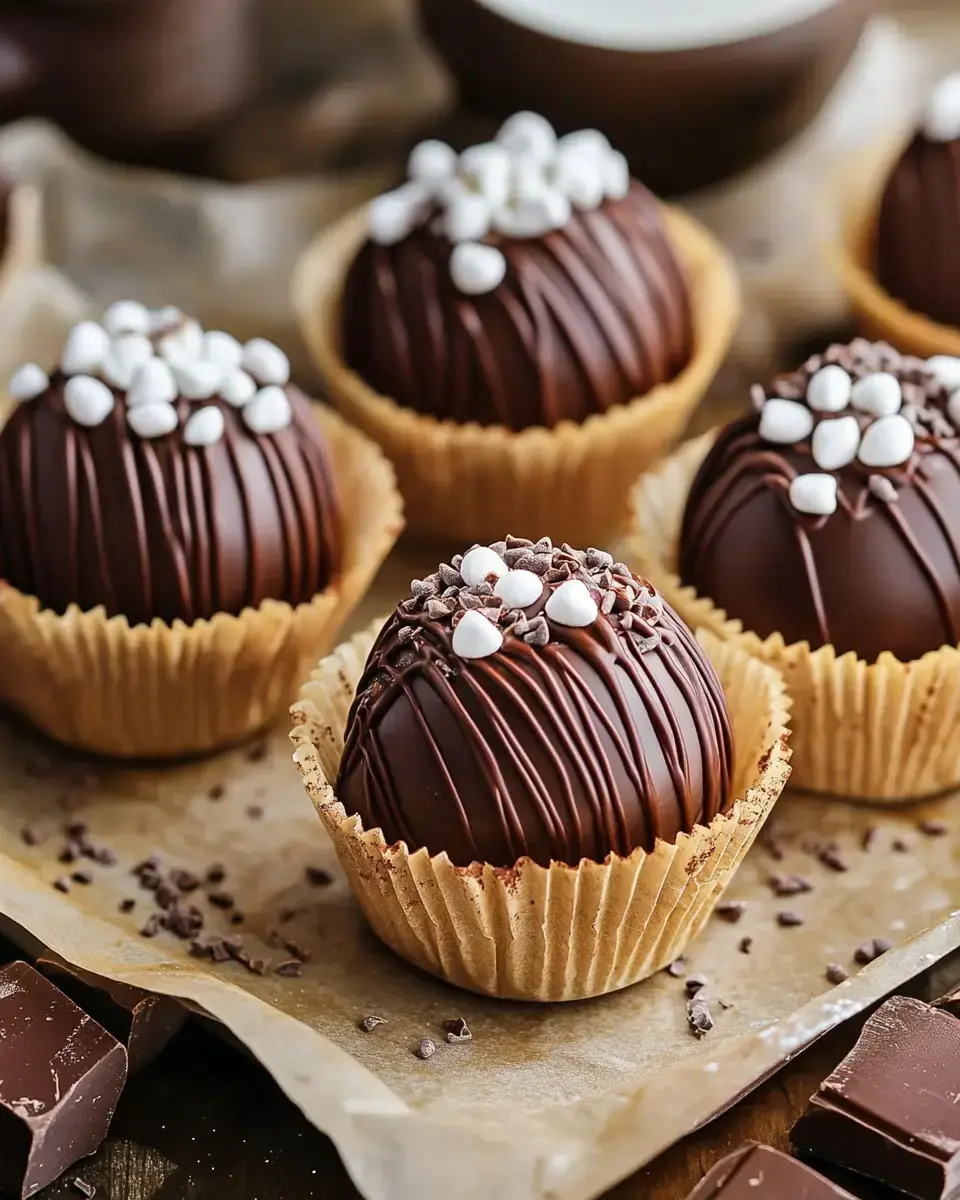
<point x="469" y="481"/>
<point x="887" y="731"/>
<point x="172" y="690"/>
<point x="563" y="932"/>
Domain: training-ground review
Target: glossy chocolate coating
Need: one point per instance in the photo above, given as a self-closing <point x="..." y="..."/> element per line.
<point x="761" y="1173"/>
<point x="588" y="317"/>
<point x="567" y="743"/>
<point x="918" y="230"/>
<point x="890" y="1110"/>
<point x="154" y="528"/>
<point x="875" y="575"/>
<point x="61" y="1075"/>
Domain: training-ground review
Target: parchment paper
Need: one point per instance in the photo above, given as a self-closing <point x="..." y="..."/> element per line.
<point x="545" y="1101"/>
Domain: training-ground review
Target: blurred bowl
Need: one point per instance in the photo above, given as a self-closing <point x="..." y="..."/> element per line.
<point x="693" y="91"/>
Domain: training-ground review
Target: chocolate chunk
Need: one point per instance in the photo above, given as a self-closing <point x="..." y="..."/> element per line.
<point x="745" y="945"/>
<point x="426" y="1048"/>
<point x="760" y="1173"/>
<point x="457" y="1030"/>
<point x="836" y="973"/>
<point x="866" y="952"/>
<point x="890" y="1111"/>
<point x="369" y="1023"/>
<point x="142" y="1022"/>
<point x="731" y="910"/>
<point x="699" y="1017"/>
<point x="61" y="1075"/>
<point x="790" y="885"/>
<point x="788" y="919"/>
<point x="318" y="877"/>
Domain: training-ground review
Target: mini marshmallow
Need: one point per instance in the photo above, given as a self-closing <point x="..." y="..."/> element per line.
<point x="269" y="411"/>
<point x="476" y="269"/>
<point x="519" y="589"/>
<point x="814" y="494"/>
<point x="87" y="400"/>
<point x="85" y="349"/>
<point x="152" y="420"/>
<point x="941" y="119"/>
<point x="616" y="176"/>
<point x="953" y="409"/>
<point x="394" y="215"/>
<point x="238" y="388"/>
<point x="432" y="162"/>
<point x="479" y="563"/>
<point x="28" y="382"/>
<point x="223" y="349"/>
<point x="888" y="442"/>
<point x="946" y="368"/>
<point x="475" y="636"/>
<point x="528" y="135"/>
<point x="127" y="352"/>
<point x="879" y="394"/>
<point x="182" y="345"/>
<point x="527" y="180"/>
<point x="153" y="383"/>
<point x="487" y="168"/>
<point x="580" y="177"/>
<point x="127" y="316"/>
<point x="162" y="319"/>
<point x="467" y="219"/>
<point x="585" y="141"/>
<point x="204" y="427"/>
<point x="266" y="362"/>
<point x="534" y="217"/>
<point x="571" y="604"/>
<point x="835" y="443"/>
<point x="198" y="380"/>
<point x="829" y="389"/>
<point x="785" y="422"/>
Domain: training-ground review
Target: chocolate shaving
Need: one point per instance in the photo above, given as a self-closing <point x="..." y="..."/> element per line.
<point x="696" y="983"/>
<point x="698" y="1016"/>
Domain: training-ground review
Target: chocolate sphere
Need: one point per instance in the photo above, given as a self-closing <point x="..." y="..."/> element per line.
<point x="832" y="514"/>
<point x="475" y="302"/>
<point x="583" y="722"/>
<point x="116" y="489"/>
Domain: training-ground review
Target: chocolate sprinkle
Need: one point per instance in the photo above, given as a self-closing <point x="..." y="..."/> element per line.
<point x="369" y="1023"/>
<point x="426" y="1048"/>
<point x="836" y="973"/>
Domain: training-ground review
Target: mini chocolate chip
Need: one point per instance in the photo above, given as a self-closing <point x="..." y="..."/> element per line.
<point x="745" y="945"/>
<point x="457" y="1030"/>
<point x="789" y="885"/>
<point x="184" y="881"/>
<point x="836" y="973"/>
<point x="69" y="854"/>
<point x="369" y="1023"/>
<point x="731" y="910"/>
<point x="426" y="1048"/>
<point x="216" y="873"/>
<point x="788" y="920"/>
<point x="318" y="877"/>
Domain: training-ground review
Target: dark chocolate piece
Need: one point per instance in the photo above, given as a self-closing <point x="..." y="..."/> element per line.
<point x="603" y="739"/>
<point x="918" y="230"/>
<point x="870" y="576"/>
<point x="61" y="1075"/>
<point x="143" y="1022"/>
<point x="761" y="1173"/>
<point x="890" y="1111"/>
<point x="588" y="317"/>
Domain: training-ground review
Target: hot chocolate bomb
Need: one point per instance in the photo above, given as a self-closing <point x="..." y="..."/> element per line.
<point x="535" y="700"/>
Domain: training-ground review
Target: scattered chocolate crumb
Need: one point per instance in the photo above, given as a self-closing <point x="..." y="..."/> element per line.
<point x="426" y="1048"/>
<point x="831" y="857"/>
<point x="166" y="894"/>
<point x="82" y="877"/>
<point x="787" y="919"/>
<point x="127" y="905"/>
<point x="257" y="753"/>
<point x="836" y="973"/>
<point x="745" y="945"/>
<point x="932" y="828"/>
<point x="254" y="811"/>
<point x="731" y="910"/>
<point x="76" y="829"/>
<point x="369" y="1023"/>
<point x="869" y="837"/>
<point x="184" y="922"/>
<point x="151" y="927"/>
<point x="184" y="881"/>
<point x="872" y="949"/>
<point x="237" y="918"/>
<point x="677" y="969"/>
<point x="457" y="1030"/>
<point x="900" y="845"/>
<point x="301" y="953"/>
<point x="217" y="792"/>
<point x="62" y="884"/>
<point x="216" y="873"/>
<point x="87" y="1190"/>
<point x="213" y="948"/>
<point x="292" y="968"/>
<point x="30" y="835"/>
<point x="695" y="982"/>
<point x="789" y="885"/>
<point x="102" y="855"/>
<point x="256" y="966"/>
<point x="318" y="877"/>
<point x="69" y="854"/>
<point x="698" y="1016"/>
<point x="221" y="899"/>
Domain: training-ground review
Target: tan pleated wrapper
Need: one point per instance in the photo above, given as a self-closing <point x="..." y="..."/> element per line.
<point x="878" y="314"/>
<point x="537" y="933"/>
<point x="884" y="732"/>
<point x="163" y="691"/>
<point x="470" y="482"/>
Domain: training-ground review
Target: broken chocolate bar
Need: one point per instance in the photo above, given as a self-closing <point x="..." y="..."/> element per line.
<point x="61" y="1075"/>
<point x="760" y="1173"/>
<point x="890" y="1111"/>
<point x="144" y="1023"/>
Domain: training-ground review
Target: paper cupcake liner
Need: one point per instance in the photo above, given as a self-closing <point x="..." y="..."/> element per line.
<point x="470" y="482"/>
<point x="878" y="314"/>
<point x="163" y="691"/>
<point x="886" y="732"/>
<point x="533" y="932"/>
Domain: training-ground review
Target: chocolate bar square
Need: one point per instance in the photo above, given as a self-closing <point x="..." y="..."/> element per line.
<point x="757" y="1172"/>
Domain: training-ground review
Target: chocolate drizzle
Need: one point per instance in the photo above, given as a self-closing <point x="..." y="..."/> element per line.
<point x="587" y="317"/>
<point x="153" y="528"/>
<point x="601" y="739"/>
<point x="918" y="230"/>
<point x="881" y="573"/>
